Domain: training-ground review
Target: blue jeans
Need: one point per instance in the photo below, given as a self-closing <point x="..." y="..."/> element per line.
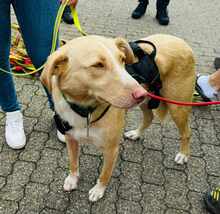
<point x="36" y="19"/>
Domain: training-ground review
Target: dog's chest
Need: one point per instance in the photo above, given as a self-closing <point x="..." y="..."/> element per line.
<point x="91" y="135"/>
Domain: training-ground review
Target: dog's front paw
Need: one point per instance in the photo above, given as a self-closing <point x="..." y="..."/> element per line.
<point x="97" y="192"/>
<point x="70" y="182"/>
<point x="181" y="158"/>
<point x="133" y="134"/>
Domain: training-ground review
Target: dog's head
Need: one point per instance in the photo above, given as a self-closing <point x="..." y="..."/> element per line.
<point x="93" y="68"/>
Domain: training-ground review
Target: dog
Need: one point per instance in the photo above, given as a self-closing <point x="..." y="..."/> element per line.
<point x="89" y="72"/>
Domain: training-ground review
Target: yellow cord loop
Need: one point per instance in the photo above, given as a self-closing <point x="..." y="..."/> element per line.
<point x="54" y="41"/>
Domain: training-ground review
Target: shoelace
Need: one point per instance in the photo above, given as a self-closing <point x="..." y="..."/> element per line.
<point x="216" y="194"/>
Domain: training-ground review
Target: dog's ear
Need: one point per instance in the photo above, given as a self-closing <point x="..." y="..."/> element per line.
<point x="123" y="46"/>
<point x="56" y="64"/>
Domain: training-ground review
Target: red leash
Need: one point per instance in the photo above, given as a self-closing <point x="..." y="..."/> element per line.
<point x="181" y="103"/>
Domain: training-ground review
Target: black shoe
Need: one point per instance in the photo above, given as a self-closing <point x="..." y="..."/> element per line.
<point x="162" y="17"/>
<point x="217" y="63"/>
<point x="212" y="201"/>
<point x="139" y="10"/>
<point x="67" y="16"/>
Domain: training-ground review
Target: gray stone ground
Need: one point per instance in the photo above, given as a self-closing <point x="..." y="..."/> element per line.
<point x="146" y="179"/>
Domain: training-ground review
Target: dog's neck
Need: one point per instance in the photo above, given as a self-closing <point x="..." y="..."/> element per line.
<point x="73" y="112"/>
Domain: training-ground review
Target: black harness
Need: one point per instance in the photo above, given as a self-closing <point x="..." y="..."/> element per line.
<point x="146" y="70"/>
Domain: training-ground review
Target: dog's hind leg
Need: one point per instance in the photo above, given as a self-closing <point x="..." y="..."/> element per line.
<point x="180" y="116"/>
<point x="71" y="180"/>
<point x="147" y="120"/>
<point x="110" y="154"/>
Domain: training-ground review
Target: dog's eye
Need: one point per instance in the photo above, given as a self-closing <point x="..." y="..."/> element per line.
<point x="98" y="65"/>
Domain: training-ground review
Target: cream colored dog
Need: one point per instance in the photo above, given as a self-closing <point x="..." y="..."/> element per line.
<point x="90" y="71"/>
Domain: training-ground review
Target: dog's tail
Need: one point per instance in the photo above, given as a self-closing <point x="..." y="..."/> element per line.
<point x="162" y="110"/>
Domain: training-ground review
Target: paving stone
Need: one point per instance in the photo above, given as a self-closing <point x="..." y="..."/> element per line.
<point x="21" y="82"/>
<point x="90" y="149"/>
<point x="197" y="204"/>
<point x="130" y="186"/>
<point x="2" y="182"/>
<point x="7" y="158"/>
<point x="197" y="180"/>
<point x="153" y="167"/>
<point x="216" y="118"/>
<point x="57" y="201"/>
<point x="45" y="121"/>
<point x="213" y="181"/>
<point x="53" y="141"/>
<point x="79" y="203"/>
<point x="104" y="206"/>
<point x="207" y="132"/>
<point x="27" y="92"/>
<point x="29" y="124"/>
<point x="64" y="159"/>
<point x="153" y="199"/>
<point x="36" y="106"/>
<point x="169" y="129"/>
<point x="8" y="207"/>
<point x="176" y="190"/>
<point x="56" y="185"/>
<point x="195" y="144"/>
<point x="34" y="146"/>
<point x="88" y="170"/>
<point x="49" y="211"/>
<point x="153" y="137"/>
<point x="212" y="158"/>
<point x="34" y="199"/>
<point x="46" y="166"/>
<point x="131" y="171"/>
<point x="14" y="189"/>
<point x="128" y="207"/>
<point x="132" y="151"/>
<point x="174" y="211"/>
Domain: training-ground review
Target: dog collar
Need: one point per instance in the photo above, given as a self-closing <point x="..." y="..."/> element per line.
<point x="63" y="126"/>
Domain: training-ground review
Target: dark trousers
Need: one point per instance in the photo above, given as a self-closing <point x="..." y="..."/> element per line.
<point x="36" y="19"/>
<point x="161" y="4"/>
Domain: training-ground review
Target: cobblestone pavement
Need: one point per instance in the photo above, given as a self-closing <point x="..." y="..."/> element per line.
<point x="146" y="179"/>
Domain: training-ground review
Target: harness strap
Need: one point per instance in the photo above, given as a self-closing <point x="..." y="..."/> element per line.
<point x="146" y="70"/>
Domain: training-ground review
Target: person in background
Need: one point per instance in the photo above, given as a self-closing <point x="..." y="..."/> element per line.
<point x="212" y="201"/>
<point x="37" y="31"/>
<point x="162" y="13"/>
<point x="208" y="86"/>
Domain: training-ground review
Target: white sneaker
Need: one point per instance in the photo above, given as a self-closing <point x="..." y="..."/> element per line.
<point x="61" y="137"/>
<point x="14" y="130"/>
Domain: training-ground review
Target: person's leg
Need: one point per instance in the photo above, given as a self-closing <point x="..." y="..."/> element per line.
<point x="37" y="31"/>
<point x="8" y="98"/>
<point x="162" y="13"/>
<point x="37" y="28"/>
<point x="140" y="10"/>
<point x="212" y="200"/>
<point x="14" y="131"/>
<point x="208" y="86"/>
